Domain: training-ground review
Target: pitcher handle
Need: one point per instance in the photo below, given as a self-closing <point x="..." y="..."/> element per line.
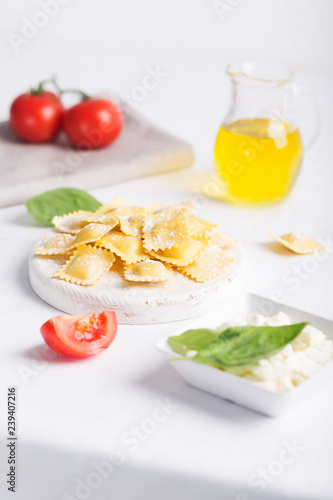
<point x="307" y="114"/>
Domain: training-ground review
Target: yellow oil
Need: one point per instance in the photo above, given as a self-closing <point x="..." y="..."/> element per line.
<point x="257" y="160"/>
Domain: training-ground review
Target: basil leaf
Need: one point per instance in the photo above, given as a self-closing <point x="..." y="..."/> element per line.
<point x="44" y="207"/>
<point x="246" y="345"/>
<point x="191" y="340"/>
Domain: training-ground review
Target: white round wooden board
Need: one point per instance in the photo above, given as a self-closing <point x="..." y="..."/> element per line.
<point x="137" y="303"/>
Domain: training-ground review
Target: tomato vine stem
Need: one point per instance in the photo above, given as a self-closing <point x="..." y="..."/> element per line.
<point x="85" y="97"/>
<point x="39" y="90"/>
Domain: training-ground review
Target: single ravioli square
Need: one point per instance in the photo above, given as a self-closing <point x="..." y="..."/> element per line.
<point x="166" y="230"/>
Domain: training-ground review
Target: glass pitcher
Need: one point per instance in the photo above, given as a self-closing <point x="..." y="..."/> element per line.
<point x="258" y="149"/>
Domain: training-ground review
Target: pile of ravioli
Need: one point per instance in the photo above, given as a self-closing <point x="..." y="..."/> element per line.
<point x="146" y="244"/>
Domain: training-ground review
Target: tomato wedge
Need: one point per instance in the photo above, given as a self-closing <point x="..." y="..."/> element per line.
<point x="80" y="335"/>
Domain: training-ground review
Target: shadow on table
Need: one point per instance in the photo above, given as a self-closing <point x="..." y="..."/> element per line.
<point x="24" y="219"/>
<point x="7" y="135"/>
<point x="40" y="352"/>
<point x="166" y="381"/>
<point x="276" y="247"/>
<point x="23" y="277"/>
<point x="53" y="474"/>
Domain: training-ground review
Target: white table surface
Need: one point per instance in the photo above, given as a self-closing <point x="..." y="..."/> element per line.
<point x="72" y="413"/>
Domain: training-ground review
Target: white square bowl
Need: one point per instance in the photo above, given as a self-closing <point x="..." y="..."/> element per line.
<point x="238" y="389"/>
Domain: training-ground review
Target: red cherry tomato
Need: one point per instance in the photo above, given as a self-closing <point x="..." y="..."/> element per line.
<point x="93" y="123"/>
<point x="36" y="116"/>
<point x="80" y="335"/>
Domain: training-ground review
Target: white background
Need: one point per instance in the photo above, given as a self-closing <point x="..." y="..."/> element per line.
<point x="107" y="45"/>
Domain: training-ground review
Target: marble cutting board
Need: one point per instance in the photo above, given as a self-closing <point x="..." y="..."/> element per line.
<point x="141" y="149"/>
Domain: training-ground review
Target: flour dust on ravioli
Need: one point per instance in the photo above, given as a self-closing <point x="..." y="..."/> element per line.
<point x="86" y="266"/>
<point x="128" y="248"/>
<point x="166" y="229"/>
<point x="89" y="234"/>
<point x="298" y="243"/>
<point x="184" y="254"/>
<point x="55" y="244"/>
<point x="117" y="202"/>
<point x="148" y="271"/>
<point x="144" y="244"/>
<point x="71" y="223"/>
<point x="211" y="262"/>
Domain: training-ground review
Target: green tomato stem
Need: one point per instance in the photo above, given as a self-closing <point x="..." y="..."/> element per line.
<point x="84" y="96"/>
<point x="39" y="90"/>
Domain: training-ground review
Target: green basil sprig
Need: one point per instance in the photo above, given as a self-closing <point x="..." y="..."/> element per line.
<point x="44" y="207"/>
<point x="192" y="340"/>
<point x="235" y="346"/>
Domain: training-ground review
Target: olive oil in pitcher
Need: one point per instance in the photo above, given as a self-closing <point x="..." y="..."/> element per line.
<point x="257" y="159"/>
